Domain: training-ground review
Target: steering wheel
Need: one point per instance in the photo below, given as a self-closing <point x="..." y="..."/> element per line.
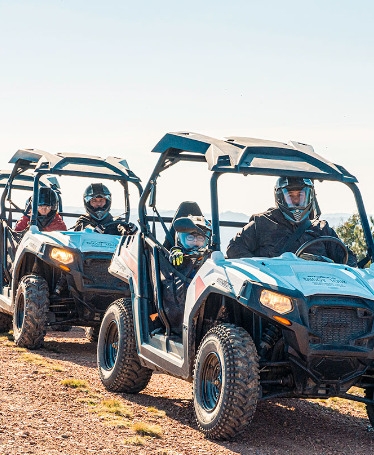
<point x="113" y="224"/>
<point x="316" y="257"/>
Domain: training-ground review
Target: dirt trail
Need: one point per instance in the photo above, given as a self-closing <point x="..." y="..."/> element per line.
<point x="40" y="415"/>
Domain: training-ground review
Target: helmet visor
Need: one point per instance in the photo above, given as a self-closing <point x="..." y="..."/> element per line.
<point x="47" y="197"/>
<point x="297" y="197"/>
<point x="89" y="197"/>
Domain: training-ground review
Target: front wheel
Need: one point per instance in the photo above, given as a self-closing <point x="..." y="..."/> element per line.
<point x="30" y="312"/>
<point x="226" y="382"/>
<point x="117" y="358"/>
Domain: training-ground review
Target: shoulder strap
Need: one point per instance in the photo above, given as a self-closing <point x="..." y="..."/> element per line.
<point x="296" y="235"/>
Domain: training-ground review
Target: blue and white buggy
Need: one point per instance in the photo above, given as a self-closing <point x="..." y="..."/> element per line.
<point x="56" y="279"/>
<point x="253" y="328"/>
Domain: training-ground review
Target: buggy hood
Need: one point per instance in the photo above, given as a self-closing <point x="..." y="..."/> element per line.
<point x="85" y="241"/>
<point x="292" y="273"/>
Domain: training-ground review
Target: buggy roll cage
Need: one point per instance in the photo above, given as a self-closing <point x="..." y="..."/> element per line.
<point x="247" y="156"/>
<point x="40" y="167"/>
<point x="23" y="182"/>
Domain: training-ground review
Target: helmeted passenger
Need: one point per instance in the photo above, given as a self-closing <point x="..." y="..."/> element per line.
<point x="191" y="247"/>
<point x="48" y="218"/>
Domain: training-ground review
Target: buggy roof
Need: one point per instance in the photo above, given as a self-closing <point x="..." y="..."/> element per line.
<point x="251" y="156"/>
<point x="74" y="164"/>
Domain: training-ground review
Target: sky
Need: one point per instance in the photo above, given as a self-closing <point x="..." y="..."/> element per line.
<point x="111" y="78"/>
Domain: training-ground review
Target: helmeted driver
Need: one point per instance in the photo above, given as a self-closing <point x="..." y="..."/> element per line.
<point x="97" y="200"/>
<point x="287" y="226"/>
<point x="294" y="197"/>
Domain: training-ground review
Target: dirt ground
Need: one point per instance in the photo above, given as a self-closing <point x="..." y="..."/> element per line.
<point x="52" y="402"/>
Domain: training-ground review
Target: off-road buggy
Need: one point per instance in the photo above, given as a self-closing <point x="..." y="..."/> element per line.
<point x="57" y="279"/>
<point x="255" y="328"/>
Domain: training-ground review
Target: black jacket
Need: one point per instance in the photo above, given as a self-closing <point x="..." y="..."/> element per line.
<point x="266" y="235"/>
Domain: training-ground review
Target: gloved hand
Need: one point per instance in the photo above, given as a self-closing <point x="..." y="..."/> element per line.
<point x="176" y="256"/>
<point x="128" y="229"/>
<point x="131" y="229"/>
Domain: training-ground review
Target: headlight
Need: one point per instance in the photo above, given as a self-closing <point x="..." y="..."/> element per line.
<point x="63" y="256"/>
<point x="277" y="302"/>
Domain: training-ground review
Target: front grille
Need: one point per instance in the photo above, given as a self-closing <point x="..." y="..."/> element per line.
<point x="96" y="275"/>
<point x="339" y="325"/>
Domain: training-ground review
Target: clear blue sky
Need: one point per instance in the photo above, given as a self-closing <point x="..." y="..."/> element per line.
<point x="112" y="77"/>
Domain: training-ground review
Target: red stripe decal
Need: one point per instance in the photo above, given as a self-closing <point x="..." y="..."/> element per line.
<point x="199" y="287"/>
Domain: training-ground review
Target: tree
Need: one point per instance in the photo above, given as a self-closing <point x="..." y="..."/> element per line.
<point x="352" y="235"/>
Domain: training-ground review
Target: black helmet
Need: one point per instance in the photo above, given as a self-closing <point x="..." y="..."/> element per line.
<point x="47" y="197"/>
<point x="192" y="228"/>
<point x="294" y="207"/>
<point x="93" y="191"/>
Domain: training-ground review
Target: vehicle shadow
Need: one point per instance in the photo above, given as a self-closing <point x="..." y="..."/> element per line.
<point x="71" y="345"/>
<point x="289" y="426"/>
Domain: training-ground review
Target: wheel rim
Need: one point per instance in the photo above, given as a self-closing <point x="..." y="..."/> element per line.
<point x="111" y="345"/>
<point x="211" y="381"/>
<point x="20" y="312"/>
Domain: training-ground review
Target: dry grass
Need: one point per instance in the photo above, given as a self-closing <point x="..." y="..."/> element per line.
<point x="349" y="407"/>
<point x="135" y="441"/>
<point x="75" y="383"/>
<point x="145" y="429"/>
<point x="39" y="360"/>
<point x="116" y="407"/>
<point x="112" y="412"/>
<point x="92" y="400"/>
<point x="6" y="338"/>
<point x="156" y="412"/>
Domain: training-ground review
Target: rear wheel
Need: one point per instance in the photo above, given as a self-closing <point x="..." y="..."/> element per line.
<point x="30" y="312"/>
<point x="226" y="382"/>
<point x="369" y="393"/>
<point x="5" y="322"/>
<point x="92" y="333"/>
<point x="117" y="358"/>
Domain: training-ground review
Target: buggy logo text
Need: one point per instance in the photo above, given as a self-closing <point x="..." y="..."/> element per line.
<point x="100" y="244"/>
<point x="323" y="280"/>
